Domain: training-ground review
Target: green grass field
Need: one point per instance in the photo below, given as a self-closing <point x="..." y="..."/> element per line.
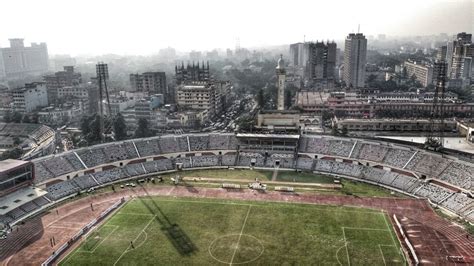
<point x="350" y="187"/>
<point x="181" y="231"/>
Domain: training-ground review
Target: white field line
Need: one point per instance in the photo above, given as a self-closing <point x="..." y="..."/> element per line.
<point x="294" y="205"/>
<point x="103" y="240"/>
<point x="391" y="235"/>
<point x="240" y="235"/>
<point x="383" y="257"/>
<point x="143" y="230"/>
<point x="346" y="244"/>
<point x="365" y="228"/>
<point x="136" y="213"/>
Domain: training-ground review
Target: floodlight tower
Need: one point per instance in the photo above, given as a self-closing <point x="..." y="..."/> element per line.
<point x="102" y="72"/>
<point x="434" y="139"/>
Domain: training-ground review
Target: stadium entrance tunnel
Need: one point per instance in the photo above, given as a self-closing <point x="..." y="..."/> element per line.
<point x="236" y="249"/>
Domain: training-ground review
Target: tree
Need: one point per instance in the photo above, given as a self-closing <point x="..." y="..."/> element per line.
<point x="7" y="117"/>
<point x="94" y="126"/>
<point x="16" y="117"/>
<point x="26" y="119"/>
<point x="288" y="97"/>
<point x="344" y="131"/>
<point x="260" y="99"/>
<point x="142" y="129"/>
<point x="14" y="153"/>
<point x="16" y="141"/>
<point x="120" y="129"/>
<point x="85" y="125"/>
<point x="90" y="127"/>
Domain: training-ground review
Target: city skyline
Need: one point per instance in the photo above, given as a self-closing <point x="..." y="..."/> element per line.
<point x="146" y="27"/>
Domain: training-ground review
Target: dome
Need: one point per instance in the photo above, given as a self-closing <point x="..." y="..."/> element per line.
<point x="281" y="63"/>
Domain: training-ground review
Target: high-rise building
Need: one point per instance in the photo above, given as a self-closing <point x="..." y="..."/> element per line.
<point x="61" y="79"/>
<point x="19" y="61"/>
<point x="281" y="75"/>
<point x="192" y="73"/>
<point x="459" y="53"/>
<point x="441" y="53"/>
<point x="321" y="61"/>
<point x="355" y="58"/>
<point x="30" y="97"/>
<point x="150" y="82"/>
<point x="422" y="72"/>
<point x="298" y="54"/>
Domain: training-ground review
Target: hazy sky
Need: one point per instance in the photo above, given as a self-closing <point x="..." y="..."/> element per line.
<point x="145" y="26"/>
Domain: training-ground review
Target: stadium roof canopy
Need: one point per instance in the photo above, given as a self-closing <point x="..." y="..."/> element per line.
<point x="9" y="164"/>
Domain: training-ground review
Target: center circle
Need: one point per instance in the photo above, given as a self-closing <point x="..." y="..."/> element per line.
<point x="236" y="249"/>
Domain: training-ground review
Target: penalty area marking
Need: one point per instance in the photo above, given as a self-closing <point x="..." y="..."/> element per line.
<point x="100" y="243"/>
<point x="383" y="257"/>
<point x="143" y="230"/>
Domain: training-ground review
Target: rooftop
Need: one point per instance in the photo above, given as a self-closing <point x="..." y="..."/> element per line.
<point x="10" y="163"/>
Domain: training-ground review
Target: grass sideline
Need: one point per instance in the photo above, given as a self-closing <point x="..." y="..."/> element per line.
<point x="167" y="230"/>
<point x="350" y="187"/>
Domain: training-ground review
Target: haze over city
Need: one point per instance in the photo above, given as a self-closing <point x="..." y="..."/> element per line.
<point x="237" y="132"/>
<point x="143" y="27"/>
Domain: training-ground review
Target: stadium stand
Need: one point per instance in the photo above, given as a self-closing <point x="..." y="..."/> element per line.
<point x="220" y="142"/>
<point x="92" y="157"/>
<point x="205" y="161"/>
<point x="58" y="165"/>
<point x="228" y="159"/>
<point x="158" y="165"/>
<point x="304" y="163"/>
<point x="433" y="192"/>
<point x="369" y="152"/>
<point x="168" y="144"/>
<point x="428" y="164"/>
<point x="247" y="158"/>
<point x="84" y="182"/>
<point x="148" y="147"/>
<point x="397" y="157"/>
<point x="61" y="190"/>
<point x="73" y="160"/>
<point x="185" y="161"/>
<point x="134" y="169"/>
<point x="121" y="152"/>
<point x="199" y="142"/>
<point x="284" y="160"/>
<point x="455" y="173"/>
<point x="110" y="175"/>
<point x="340" y="148"/>
<point x="459" y="174"/>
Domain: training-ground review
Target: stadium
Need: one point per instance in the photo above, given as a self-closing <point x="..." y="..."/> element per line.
<point x="238" y="199"/>
<point x="35" y="140"/>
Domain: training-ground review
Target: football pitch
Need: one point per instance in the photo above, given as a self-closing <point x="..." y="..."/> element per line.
<point x="171" y="231"/>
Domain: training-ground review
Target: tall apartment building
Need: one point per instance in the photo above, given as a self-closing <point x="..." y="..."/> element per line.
<point x="19" y="61"/>
<point x="151" y="83"/>
<point x="422" y="72"/>
<point x="459" y="54"/>
<point x="298" y="54"/>
<point x="441" y="53"/>
<point x="61" y="79"/>
<point x="30" y="97"/>
<point x="321" y="61"/>
<point x="355" y="58"/>
<point x="209" y="97"/>
<point x="192" y="73"/>
<point x="85" y="94"/>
